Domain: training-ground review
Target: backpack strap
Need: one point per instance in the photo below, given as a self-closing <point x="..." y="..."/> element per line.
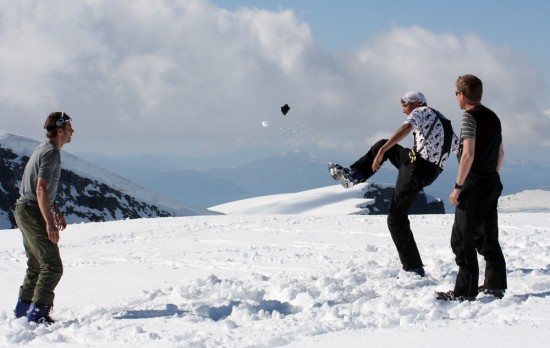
<point x="448" y="135"/>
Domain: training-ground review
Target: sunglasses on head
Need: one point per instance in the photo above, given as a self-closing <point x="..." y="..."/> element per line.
<point x="407" y="101"/>
<point x="64" y="118"/>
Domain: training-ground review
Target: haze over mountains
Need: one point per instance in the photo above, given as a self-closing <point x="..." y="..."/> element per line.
<point x="89" y="193"/>
<point x="168" y="185"/>
<point x="252" y="172"/>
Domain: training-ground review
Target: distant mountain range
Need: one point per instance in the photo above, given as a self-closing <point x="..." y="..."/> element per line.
<point x="206" y="182"/>
<point x="168" y="185"/>
<point x="257" y="171"/>
<point x="86" y="192"/>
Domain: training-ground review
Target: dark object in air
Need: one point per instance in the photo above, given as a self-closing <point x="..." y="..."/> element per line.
<point x="285" y="108"/>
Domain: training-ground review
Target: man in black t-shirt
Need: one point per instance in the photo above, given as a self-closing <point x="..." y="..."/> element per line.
<point x="475" y="195"/>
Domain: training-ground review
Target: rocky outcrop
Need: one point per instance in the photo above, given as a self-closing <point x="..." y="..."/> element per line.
<point x="81" y="197"/>
<point x="380" y="197"/>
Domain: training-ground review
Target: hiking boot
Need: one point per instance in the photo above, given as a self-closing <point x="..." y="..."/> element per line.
<point x="347" y="177"/>
<point x="450" y="296"/>
<point x="498" y="293"/>
<point x="339" y="173"/>
<point x="335" y="170"/>
<point x="40" y="314"/>
<point x="22" y="308"/>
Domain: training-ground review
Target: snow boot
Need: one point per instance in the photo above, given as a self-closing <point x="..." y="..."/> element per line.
<point x="335" y="170"/>
<point x="22" y="308"/>
<point x="451" y="296"/>
<point x="498" y="293"/>
<point x="40" y="314"/>
<point x="347" y="177"/>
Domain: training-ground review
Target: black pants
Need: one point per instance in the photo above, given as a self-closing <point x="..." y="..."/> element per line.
<point x="411" y="179"/>
<point x="476" y="229"/>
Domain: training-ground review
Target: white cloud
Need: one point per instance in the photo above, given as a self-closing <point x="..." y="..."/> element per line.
<point x="430" y="62"/>
<point x="151" y="76"/>
<point x="282" y="39"/>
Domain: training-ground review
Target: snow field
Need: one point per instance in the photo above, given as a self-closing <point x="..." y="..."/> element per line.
<point x="273" y="280"/>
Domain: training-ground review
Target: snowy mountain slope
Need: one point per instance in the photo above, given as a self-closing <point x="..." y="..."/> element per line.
<point x="335" y="200"/>
<point x="332" y="200"/>
<point x="367" y="198"/>
<point x="87" y="192"/>
<point x="532" y="201"/>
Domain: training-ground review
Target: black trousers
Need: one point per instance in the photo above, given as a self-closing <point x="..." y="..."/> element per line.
<point x="476" y="229"/>
<point x="411" y="179"/>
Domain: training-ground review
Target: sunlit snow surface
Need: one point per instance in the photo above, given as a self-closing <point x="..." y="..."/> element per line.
<point x="272" y="280"/>
<point x="269" y="280"/>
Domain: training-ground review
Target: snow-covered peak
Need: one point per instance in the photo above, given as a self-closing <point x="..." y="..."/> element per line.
<point x="363" y="199"/>
<point x="530" y="201"/>
<point x="89" y="192"/>
<point x="335" y="200"/>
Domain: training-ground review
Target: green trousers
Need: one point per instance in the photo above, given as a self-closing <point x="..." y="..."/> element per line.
<point x="44" y="266"/>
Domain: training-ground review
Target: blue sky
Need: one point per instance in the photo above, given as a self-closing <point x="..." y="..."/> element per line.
<point x="195" y="77"/>
<point x="345" y="24"/>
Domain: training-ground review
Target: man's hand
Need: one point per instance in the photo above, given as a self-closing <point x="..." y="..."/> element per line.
<point x="377" y="162"/>
<point x="453" y="197"/>
<point x="60" y="221"/>
<point x="399" y="135"/>
<point x="53" y="232"/>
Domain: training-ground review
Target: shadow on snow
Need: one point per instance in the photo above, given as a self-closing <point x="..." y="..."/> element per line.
<point x="208" y="312"/>
<point x="170" y="311"/>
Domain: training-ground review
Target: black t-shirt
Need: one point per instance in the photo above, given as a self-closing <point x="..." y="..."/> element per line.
<point x="488" y="135"/>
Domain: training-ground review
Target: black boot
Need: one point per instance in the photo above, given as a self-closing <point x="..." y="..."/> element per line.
<point x="498" y="293"/>
<point x="451" y="296"/>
